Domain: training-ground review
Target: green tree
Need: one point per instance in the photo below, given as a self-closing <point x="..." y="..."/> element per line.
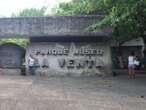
<point x="127" y="17"/>
<point x="30" y="12"/>
<point x="77" y="7"/>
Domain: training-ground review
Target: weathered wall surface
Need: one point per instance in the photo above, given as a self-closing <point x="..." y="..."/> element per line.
<point x="11" y="55"/>
<point x="50" y="26"/>
<point x="73" y="59"/>
<point x="14" y="71"/>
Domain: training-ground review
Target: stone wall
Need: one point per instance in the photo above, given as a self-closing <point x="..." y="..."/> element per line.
<point x="11" y="55"/>
<point x="50" y="26"/>
<point x="73" y="59"/>
<point x="14" y="71"/>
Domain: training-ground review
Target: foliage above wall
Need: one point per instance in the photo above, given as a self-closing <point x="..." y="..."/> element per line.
<point x="127" y="17"/>
<point x="18" y="41"/>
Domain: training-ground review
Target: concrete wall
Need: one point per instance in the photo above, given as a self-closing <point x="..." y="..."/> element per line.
<point x="50" y="26"/>
<point x="86" y="62"/>
<point x="6" y="71"/>
<point x="11" y="55"/>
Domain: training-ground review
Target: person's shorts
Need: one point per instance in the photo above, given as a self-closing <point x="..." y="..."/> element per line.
<point x="131" y="66"/>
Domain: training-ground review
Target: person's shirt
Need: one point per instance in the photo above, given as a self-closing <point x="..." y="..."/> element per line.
<point x="131" y="60"/>
<point x="136" y="62"/>
<point x="31" y="61"/>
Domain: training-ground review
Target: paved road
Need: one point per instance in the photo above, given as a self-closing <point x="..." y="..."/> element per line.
<point x="66" y="93"/>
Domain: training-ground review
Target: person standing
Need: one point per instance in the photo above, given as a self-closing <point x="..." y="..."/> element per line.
<point x="131" y="65"/>
<point x="137" y="63"/>
<point x="31" y="64"/>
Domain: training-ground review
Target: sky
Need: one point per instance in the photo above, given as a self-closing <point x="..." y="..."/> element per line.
<point x="7" y="7"/>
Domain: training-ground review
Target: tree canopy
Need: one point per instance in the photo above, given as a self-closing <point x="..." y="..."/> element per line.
<point x="77" y="7"/>
<point x="127" y="17"/>
<point x="30" y="12"/>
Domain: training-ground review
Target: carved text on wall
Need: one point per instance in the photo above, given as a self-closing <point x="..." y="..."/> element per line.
<point x="65" y="51"/>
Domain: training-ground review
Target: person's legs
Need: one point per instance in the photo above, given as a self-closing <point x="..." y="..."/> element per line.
<point x="133" y="72"/>
<point x="32" y="73"/>
<point x="134" y="75"/>
<point x="129" y="71"/>
<point x="30" y="70"/>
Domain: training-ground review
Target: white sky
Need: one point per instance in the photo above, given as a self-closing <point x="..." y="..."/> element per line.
<point x="7" y="7"/>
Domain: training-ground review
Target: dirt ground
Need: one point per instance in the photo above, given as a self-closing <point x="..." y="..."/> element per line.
<point x="72" y="93"/>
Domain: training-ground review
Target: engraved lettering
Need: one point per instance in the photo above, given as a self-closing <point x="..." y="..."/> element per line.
<point x="70" y="63"/>
<point x="80" y="64"/>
